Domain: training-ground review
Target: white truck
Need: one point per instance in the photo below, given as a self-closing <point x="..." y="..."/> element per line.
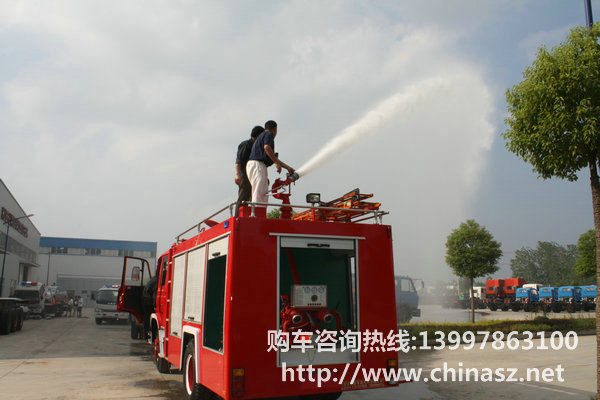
<point x="106" y="305"/>
<point x="34" y="294"/>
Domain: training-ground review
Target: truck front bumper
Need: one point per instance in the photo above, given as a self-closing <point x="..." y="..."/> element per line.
<point x="118" y="316"/>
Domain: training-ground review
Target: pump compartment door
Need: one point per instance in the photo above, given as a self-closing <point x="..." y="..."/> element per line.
<point x="136" y="273"/>
<point x="318" y="290"/>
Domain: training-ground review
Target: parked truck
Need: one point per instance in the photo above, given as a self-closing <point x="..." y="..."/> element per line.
<point x="56" y="300"/>
<point x="234" y="297"/>
<point x="588" y="297"/>
<point x="106" y="306"/>
<point x="510" y="291"/>
<point x="34" y="294"/>
<point x="407" y="298"/>
<point x="11" y="315"/>
<point x="548" y="297"/>
<point x="526" y="299"/>
<point x="570" y="298"/>
<point x="494" y="294"/>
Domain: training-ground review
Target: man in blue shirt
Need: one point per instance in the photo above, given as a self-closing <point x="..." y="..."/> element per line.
<point x="241" y="178"/>
<point x="262" y="156"/>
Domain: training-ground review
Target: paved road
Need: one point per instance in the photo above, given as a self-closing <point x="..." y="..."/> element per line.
<point x="73" y="358"/>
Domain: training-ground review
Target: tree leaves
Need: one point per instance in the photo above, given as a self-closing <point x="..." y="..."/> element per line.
<point x="471" y="251"/>
<point x="585" y="265"/>
<point x="549" y="263"/>
<point x="553" y="113"/>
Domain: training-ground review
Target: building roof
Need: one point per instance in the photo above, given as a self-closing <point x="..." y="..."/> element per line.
<point x="18" y="205"/>
<point x="76" y="243"/>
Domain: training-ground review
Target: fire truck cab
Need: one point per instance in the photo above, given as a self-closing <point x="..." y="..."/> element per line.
<point x="223" y="302"/>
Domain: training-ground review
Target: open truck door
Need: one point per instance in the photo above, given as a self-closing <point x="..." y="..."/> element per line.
<point x="136" y="273"/>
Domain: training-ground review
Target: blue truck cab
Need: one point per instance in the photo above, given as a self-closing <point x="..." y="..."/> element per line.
<point x="549" y="299"/>
<point x="588" y="297"/>
<point x="526" y="298"/>
<point x="407" y="299"/>
<point x="570" y="297"/>
<point x="527" y="294"/>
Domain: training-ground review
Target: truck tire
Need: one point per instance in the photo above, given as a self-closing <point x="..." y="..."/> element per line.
<point x="21" y="318"/>
<point x="493" y="307"/>
<point x="98" y="321"/>
<point x="133" y="330"/>
<point x="403" y="314"/>
<point x="137" y="331"/>
<point x="571" y="308"/>
<point x="192" y="389"/>
<point x="14" y="319"/>
<point x="556" y="308"/>
<point x="162" y="365"/>
<point x="5" y="322"/>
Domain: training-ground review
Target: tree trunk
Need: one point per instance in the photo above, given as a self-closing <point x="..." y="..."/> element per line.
<point x="595" y="184"/>
<point x="472" y="302"/>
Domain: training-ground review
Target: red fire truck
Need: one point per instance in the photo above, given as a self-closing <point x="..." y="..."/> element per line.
<point x="224" y="294"/>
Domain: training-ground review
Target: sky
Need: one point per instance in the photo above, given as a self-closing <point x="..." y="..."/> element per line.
<point x="121" y="120"/>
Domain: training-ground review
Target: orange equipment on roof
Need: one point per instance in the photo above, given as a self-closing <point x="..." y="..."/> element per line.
<point x="346" y="205"/>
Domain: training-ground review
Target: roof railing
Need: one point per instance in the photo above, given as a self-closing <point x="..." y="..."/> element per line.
<point x="377" y="215"/>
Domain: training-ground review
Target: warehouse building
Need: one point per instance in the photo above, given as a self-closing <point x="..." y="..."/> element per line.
<point x="19" y="244"/>
<point x="82" y="266"/>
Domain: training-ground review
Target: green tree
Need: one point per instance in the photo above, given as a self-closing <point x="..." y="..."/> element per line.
<point x="472" y="252"/>
<point x="549" y="263"/>
<point x="554" y="116"/>
<point x="274" y="213"/>
<point x="585" y="265"/>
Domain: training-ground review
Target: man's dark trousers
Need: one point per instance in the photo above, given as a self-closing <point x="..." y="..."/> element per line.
<point x="244" y="194"/>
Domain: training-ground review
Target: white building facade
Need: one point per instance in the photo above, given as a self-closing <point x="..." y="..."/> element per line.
<point x="19" y="244"/>
<point x="82" y="266"/>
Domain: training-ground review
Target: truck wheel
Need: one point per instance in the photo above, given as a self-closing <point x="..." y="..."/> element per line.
<point x="14" y="319"/>
<point x="193" y="390"/>
<point x="133" y="331"/>
<point x="98" y="321"/>
<point x="21" y="317"/>
<point x="162" y="365"/>
<point x="571" y="308"/>
<point x="403" y="314"/>
<point x="556" y="308"/>
<point x="493" y="307"/>
<point x="137" y="331"/>
<point x="504" y="307"/>
<point x="5" y="322"/>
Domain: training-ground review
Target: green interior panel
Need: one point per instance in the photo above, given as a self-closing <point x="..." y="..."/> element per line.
<point x="323" y="267"/>
<point x="214" y="303"/>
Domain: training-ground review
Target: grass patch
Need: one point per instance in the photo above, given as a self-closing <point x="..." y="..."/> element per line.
<point x="538" y="324"/>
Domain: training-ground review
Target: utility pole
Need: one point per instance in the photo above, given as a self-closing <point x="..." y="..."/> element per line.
<point x="48" y="269"/>
<point x="588" y="13"/>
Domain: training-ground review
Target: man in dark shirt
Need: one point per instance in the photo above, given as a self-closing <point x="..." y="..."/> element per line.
<point x="262" y="156"/>
<point x="241" y="178"/>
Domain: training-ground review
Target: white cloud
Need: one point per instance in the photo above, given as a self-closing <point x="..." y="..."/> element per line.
<point x="131" y="119"/>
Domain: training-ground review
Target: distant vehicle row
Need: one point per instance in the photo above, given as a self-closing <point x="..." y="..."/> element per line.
<point x="515" y="294"/>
